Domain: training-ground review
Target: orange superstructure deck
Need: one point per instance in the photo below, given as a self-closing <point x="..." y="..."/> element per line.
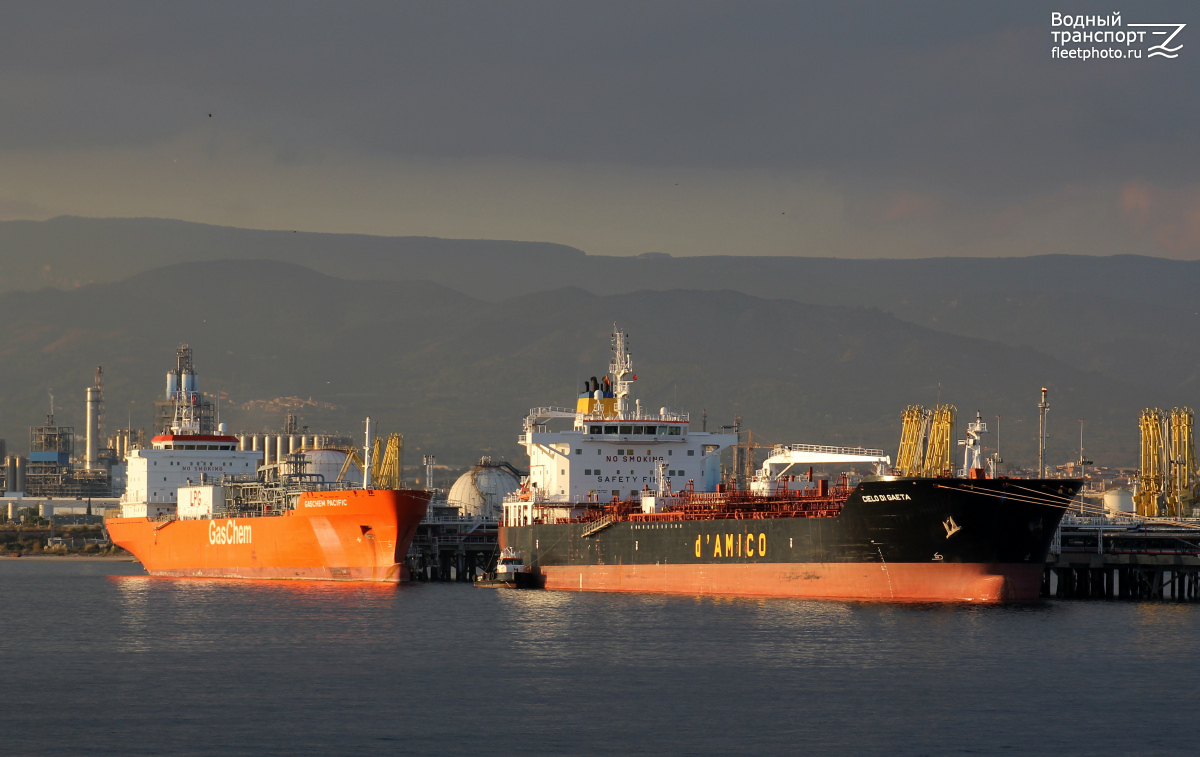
<point x="346" y="535"/>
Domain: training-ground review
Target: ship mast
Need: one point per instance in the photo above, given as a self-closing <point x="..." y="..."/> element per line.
<point x="188" y="417"/>
<point x="621" y="369"/>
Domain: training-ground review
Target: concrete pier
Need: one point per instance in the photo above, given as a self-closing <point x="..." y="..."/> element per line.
<point x="1098" y="558"/>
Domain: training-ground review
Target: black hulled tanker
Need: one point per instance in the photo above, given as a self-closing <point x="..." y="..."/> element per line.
<point x="922" y="539"/>
<point x="598" y="509"/>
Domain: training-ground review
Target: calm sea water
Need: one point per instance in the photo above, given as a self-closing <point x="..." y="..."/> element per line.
<point x="102" y="660"/>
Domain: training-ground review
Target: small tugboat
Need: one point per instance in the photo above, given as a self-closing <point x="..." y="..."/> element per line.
<point x="511" y="573"/>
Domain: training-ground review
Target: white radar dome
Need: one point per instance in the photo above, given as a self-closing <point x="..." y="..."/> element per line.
<point x="480" y="491"/>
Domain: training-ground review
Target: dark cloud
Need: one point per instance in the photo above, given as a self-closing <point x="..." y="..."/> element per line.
<point x="960" y="99"/>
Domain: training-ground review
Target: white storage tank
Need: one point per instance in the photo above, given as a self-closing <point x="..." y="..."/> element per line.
<point x="480" y="491"/>
<point x="1118" y="501"/>
<point x="328" y="463"/>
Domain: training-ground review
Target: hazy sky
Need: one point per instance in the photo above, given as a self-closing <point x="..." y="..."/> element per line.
<point x="835" y="128"/>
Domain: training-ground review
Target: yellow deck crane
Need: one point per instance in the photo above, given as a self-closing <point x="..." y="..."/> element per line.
<point x="387" y="459"/>
<point x="939" y="455"/>
<point x="910" y="458"/>
<point x="1167" y="480"/>
<point x="927" y="441"/>
<point x="1181" y="476"/>
<point x="1152" y="475"/>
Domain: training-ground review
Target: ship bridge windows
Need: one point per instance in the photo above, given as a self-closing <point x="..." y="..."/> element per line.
<point x="626" y="429"/>
<point x="675" y="431"/>
<point x="595" y="429"/>
<point x="610" y="429"/>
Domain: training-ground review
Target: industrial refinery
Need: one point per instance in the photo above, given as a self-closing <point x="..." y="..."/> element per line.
<point x="1113" y="536"/>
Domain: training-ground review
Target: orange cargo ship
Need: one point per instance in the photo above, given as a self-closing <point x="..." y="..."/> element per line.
<point x="347" y="535"/>
<point x="199" y="503"/>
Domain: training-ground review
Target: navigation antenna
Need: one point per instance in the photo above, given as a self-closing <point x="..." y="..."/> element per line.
<point x="621" y="368"/>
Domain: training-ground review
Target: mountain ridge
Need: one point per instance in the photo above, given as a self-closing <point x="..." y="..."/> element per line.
<point x="456" y="374"/>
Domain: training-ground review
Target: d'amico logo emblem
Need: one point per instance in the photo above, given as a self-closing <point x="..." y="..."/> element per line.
<point x="732" y="545"/>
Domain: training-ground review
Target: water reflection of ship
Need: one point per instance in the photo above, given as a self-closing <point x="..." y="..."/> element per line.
<point x="458" y="538"/>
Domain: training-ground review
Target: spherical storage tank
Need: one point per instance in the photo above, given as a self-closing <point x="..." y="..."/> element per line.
<point x="328" y="463"/>
<point x="481" y="490"/>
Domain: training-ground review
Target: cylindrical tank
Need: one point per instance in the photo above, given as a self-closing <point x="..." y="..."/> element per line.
<point x="1117" y="501"/>
<point x="172" y="383"/>
<point x="254" y="442"/>
<point x="20" y="475"/>
<point x="268" y="453"/>
<point x="281" y="448"/>
<point x="45" y="509"/>
<point x="189" y="382"/>
<point x="328" y="463"/>
<point x="293" y="443"/>
<point x="10" y="473"/>
<point x="480" y="491"/>
<point x="92" y="461"/>
<point x="241" y="442"/>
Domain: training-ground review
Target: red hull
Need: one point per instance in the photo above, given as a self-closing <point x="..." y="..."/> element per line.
<point x="918" y="582"/>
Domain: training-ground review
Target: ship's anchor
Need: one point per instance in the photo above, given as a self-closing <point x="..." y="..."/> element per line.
<point x="951" y="527"/>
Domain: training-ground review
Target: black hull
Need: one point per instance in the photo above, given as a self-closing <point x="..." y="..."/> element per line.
<point x="912" y="531"/>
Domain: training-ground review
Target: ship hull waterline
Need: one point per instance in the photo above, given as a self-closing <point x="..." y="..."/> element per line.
<point x="920" y="540"/>
<point x="901" y="582"/>
<point x="352" y="535"/>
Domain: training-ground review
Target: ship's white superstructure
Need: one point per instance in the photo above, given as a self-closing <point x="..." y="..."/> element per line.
<point x="190" y="454"/>
<point x="615" y="447"/>
<point x="176" y="460"/>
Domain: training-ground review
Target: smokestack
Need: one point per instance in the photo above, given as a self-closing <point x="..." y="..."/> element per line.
<point x="93" y="428"/>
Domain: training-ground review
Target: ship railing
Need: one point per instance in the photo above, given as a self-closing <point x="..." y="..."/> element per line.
<point x="1075" y="520"/>
<point x="538" y="413"/>
<point x="828" y="450"/>
<point x="635" y="418"/>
